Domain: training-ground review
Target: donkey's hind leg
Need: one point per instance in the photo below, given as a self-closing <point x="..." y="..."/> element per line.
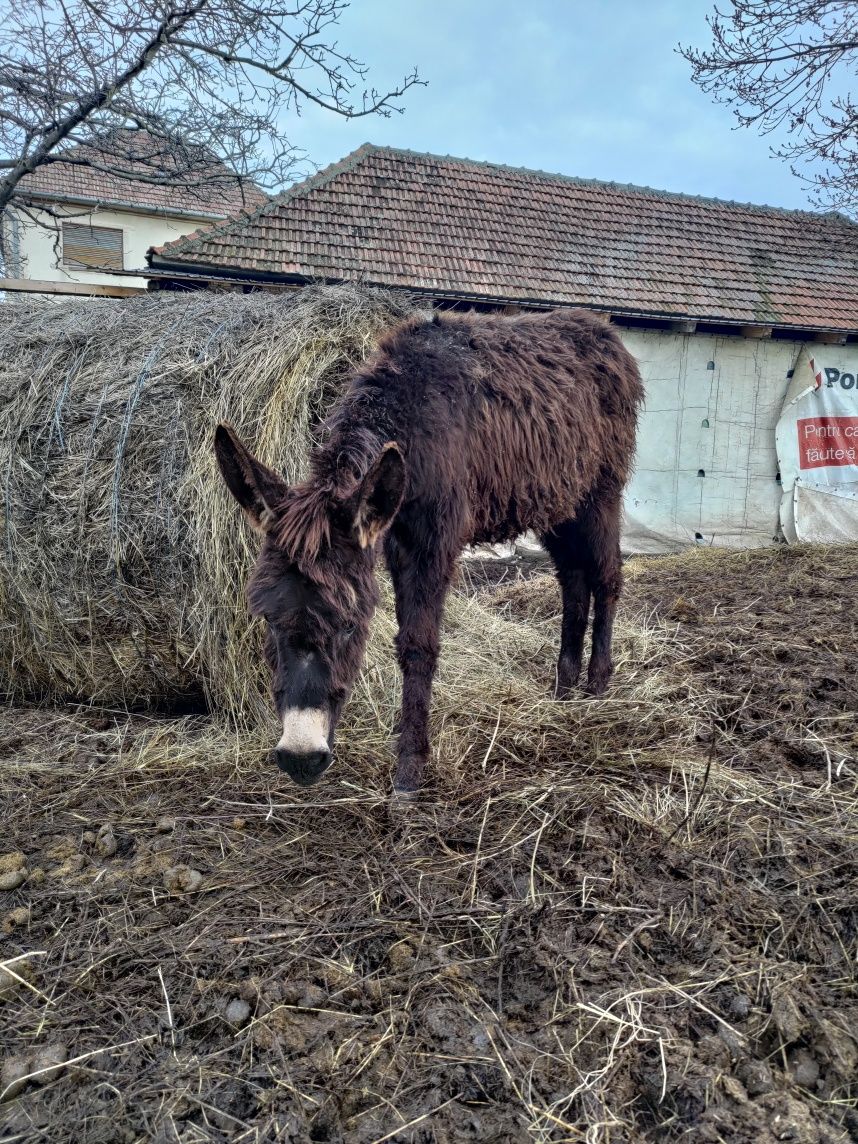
<point x="568" y="549"/>
<point x="600" y="525"/>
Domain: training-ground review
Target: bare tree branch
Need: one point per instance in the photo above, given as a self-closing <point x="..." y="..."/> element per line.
<point x="790" y="66"/>
<point x="182" y="92"/>
<point x="57" y="130"/>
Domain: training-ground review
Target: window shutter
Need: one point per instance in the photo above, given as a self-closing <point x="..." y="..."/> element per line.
<point x="91" y="247"/>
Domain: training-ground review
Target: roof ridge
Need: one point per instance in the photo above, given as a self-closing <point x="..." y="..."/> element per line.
<point x="321" y="178"/>
<point x="589" y="182"/>
<point x="295" y="191"/>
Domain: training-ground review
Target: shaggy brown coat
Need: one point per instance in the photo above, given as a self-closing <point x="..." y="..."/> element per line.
<point x="461" y="429"/>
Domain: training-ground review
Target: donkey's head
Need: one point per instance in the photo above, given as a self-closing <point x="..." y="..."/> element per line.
<point x="314" y="586"/>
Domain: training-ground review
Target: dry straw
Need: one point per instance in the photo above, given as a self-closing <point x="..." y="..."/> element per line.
<point x="593" y="928"/>
<point x="123" y="558"/>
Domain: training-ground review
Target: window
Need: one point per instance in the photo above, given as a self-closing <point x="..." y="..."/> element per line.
<point x="91" y="247"/>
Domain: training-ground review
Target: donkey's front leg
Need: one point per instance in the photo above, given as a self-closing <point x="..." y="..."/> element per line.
<point x="417" y="646"/>
<point x="420" y="582"/>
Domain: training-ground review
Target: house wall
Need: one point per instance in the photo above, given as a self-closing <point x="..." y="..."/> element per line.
<point x="39" y="258"/>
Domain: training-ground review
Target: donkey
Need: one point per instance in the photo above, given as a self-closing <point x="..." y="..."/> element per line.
<point x="462" y="429"/>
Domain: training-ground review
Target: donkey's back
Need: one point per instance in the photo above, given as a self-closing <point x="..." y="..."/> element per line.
<point x="514" y="422"/>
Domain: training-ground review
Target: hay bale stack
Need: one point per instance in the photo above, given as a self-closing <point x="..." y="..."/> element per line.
<point x="123" y="558"/>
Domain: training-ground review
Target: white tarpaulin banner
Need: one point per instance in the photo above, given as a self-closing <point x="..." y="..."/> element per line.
<point x="817" y="444"/>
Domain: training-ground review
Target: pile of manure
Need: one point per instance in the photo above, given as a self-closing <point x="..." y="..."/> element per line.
<point x="123" y="557"/>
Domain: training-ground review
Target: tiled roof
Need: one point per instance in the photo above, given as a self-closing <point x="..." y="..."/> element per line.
<point x="441" y="224"/>
<point x="215" y="197"/>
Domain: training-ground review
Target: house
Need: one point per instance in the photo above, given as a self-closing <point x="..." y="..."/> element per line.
<point x="77" y="222"/>
<point x="734" y="312"/>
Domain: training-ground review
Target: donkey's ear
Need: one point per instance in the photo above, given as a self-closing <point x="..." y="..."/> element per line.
<point x="380" y="494"/>
<point x="256" y="487"/>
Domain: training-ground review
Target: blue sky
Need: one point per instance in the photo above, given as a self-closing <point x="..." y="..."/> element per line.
<point x="589" y="89"/>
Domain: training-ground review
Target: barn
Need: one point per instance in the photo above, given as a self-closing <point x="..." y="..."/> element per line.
<point x="744" y="318"/>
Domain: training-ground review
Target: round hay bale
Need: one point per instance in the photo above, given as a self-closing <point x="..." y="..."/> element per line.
<point x="123" y="556"/>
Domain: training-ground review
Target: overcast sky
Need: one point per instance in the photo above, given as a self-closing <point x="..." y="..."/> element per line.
<point x="592" y="88"/>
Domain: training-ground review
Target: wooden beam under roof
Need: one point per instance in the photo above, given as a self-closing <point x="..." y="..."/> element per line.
<point x="76" y="289"/>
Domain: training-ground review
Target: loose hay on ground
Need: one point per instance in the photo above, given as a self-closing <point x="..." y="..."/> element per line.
<point x="605" y="923"/>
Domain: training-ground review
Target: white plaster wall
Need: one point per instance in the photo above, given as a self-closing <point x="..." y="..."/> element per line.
<point x="40" y="259"/>
<point x="736" y="503"/>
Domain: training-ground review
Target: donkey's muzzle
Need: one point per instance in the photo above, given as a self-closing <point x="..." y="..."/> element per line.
<point x="305" y="769"/>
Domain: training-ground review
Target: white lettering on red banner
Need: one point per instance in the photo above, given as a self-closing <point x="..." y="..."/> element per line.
<point x="824" y="441"/>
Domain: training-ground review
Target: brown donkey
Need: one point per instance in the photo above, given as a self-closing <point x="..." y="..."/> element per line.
<point x="461" y="429"/>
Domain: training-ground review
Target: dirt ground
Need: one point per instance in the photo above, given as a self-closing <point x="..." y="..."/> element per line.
<point x="645" y="931"/>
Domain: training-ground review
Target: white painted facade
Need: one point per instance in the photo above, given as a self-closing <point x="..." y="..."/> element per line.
<point x="35" y="252"/>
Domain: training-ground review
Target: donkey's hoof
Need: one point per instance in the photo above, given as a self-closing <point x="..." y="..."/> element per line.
<point x="402" y="797"/>
<point x="596" y="687"/>
<point x="401" y="807"/>
<point x="566" y="678"/>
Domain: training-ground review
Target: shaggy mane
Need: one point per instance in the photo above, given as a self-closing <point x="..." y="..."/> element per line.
<point x="303" y="523"/>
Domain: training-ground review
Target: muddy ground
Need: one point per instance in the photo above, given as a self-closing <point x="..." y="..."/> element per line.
<point x="623" y="938"/>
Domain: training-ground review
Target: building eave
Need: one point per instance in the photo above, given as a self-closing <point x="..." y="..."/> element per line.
<point x="161" y="269"/>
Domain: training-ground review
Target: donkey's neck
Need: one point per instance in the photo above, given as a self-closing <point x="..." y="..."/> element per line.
<point x="354" y="434"/>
